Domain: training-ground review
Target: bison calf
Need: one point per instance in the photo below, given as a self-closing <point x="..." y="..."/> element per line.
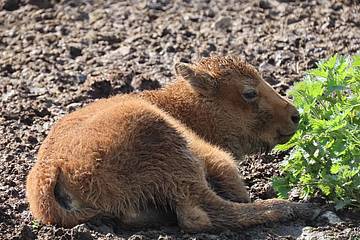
<point x="136" y="156"/>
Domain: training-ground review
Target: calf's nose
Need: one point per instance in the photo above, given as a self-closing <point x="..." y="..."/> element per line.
<point x="295" y="117"/>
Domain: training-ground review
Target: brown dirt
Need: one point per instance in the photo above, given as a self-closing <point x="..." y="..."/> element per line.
<point x="57" y="55"/>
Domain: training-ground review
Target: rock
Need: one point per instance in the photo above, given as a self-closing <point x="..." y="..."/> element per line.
<point x="331" y="218"/>
<point x="165" y="237"/>
<point x="265" y="4"/>
<point x="25" y="233"/>
<point x="322" y="2"/>
<point x="211" y="47"/>
<point x="75" y="52"/>
<point x="337" y="6"/>
<point x="41" y="3"/>
<point x="283" y="56"/>
<point x="97" y="15"/>
<point x="170" y="49"/>
<point x="308" y="233"/>
<point x="81" y="78"/>
<point x="294" y="194"/>
<point x="80" y="16"/>
<point x="157" y="4"/>
<point x="223" y="23"/>
<point x="136" y="237"/>
<point x="32" y="140"/>
<point x="9" y="5"/>
<point x="293" y="19"/>
<point x="73" y="106"/>
<point x="210" y="13"/>
<point x="325" y="233"/>
<point x="81" y="232"/>
<point x="266" y="67"/>
<point x="123" y="51"/>
<point x="59" y="232"/>
<point x="141" y="83"/>
<point x="98" y="87"/>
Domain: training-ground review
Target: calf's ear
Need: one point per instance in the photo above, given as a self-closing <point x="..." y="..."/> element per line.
<point x="201" y="81"/>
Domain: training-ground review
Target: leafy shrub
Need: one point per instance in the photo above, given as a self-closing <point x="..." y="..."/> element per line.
<point x="325" y="152"/>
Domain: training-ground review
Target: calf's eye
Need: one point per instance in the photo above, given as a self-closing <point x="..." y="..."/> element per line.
<point x="249" y="95"/>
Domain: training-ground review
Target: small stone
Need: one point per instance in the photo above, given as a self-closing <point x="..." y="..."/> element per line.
<point x="59" y="232"/>
<point x="98" y="88"/>
<point x="32" y="140"/>
<point x="170" y="49"/>
<point x="123" y="51"/>
<point x="136" y="237"/>
<point x="10" y="5"/>
<point x="331" y="218"/>
<point x="41" y="3"/>
<point x="266" y="67"/>
<point x="265" y="4"/>
<point x="80" y="16"/>
<point x="223" y="23"/>
<point x="210" y="13"/>
<point x="322" y="2"/>
<point x="165" y="237"/>
<point x="81" y="232"/>
<point x="8" y="68"/>
<point x="142" y="83"/>
<point x="307" y="233"/>
<point x="81" y="78"/>
<point x="25" y="233"/>
<point x="73" y="106"/>
<point x="337" y="6"/>
<point x="157" y="4"/>
<point x="194" y="18"/>
<point x="211" y="47"/>
<point x="75" y="52"/>
<point x="293" y="20"/>
<point x="294" y="194"/>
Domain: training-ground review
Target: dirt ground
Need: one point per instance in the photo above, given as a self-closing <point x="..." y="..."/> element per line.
<point x="56" y="56"/>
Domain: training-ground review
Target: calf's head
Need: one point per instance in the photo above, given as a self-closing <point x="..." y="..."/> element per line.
<point x="250" y="109"/>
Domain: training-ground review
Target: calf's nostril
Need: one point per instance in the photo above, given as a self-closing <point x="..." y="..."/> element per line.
<point x="295" y="118"/>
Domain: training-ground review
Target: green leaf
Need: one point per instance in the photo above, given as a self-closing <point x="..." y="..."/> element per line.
<point x="330" y="64"/>
<point x="340" y="203"/>
<point x="281" y="185"/>
<point x="335" y="168"/>
<point x="325" y="189"/>
<point x="356" y="61"/>
<point x="324" y="153"/>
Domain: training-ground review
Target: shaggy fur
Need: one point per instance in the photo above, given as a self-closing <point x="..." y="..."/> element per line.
<point x="137" y="156"/>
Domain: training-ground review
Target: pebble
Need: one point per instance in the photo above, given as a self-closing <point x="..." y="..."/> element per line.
<point x="25" y="233"/>
<point x="75" y="52"/>
<point x="123" y="51"/>
<point x="81" y="232"/>
<point x="223" y="23"/>
<point x="136" y="237"/>
<point x="265" y="4"/>
<point x="41" y="3"/>
<point x="331" y="218"/>
<point x="9" y="5"/>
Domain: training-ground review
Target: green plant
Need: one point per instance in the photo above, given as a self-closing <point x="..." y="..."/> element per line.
<point x="35" y="225"/>
<point x="325" y="151"/>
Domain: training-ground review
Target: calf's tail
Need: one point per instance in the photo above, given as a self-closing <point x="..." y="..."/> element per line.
<point x="41" y="184"/>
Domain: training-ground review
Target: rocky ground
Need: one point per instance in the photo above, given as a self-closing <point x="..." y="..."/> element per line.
<point x="56" y="56"/>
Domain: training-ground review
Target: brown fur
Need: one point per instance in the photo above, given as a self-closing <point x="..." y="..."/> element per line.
<point x="134" y="155"/>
